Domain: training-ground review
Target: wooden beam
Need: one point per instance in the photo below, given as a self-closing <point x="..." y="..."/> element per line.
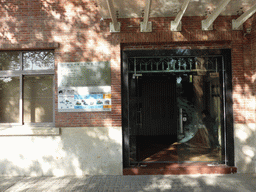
<point x="176" y="24"/>
<point x="237" y="24"/>
<point x="114" y="25"/>
<point x="207" y="23"/>
<point x="146" y="26"/>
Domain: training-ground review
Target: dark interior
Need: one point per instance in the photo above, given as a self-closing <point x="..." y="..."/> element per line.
<point x="151" y="116"/>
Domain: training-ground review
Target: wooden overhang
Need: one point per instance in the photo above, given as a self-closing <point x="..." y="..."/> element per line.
<point x="211" y="9"/>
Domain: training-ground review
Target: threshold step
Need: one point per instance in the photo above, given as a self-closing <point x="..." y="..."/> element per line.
<point x="178" y="169"/>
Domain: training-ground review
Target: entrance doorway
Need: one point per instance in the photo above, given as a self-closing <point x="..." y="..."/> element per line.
<point x="155" y="115"/>
<point x="176" y="110"/>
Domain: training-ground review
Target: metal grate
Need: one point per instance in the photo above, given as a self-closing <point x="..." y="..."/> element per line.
<point x="173" y="64"/>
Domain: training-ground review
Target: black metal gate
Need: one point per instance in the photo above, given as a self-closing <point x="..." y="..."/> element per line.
<point x="150" y="99"/>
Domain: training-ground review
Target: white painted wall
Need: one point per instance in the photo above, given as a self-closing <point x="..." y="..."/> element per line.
<point x="245" y="147"/>
<point x="92" y="151"/>
<point x="76" y="151"/>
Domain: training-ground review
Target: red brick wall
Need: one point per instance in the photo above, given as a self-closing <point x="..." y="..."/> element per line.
<point x="192" y="37"/>
<point x="76" y="31"/>
<point x="253" y="68"/>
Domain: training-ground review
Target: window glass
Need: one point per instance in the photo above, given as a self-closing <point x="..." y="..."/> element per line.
<point x="9" y="99"/>
<point x="38" y="60"/>
<point x="9" y="61"/>
<point x="38" y="99"/>
<point x="25" y="95"/>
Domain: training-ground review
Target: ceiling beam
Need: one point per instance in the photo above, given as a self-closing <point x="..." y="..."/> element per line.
<point x="114" y="25"/>
<point x="237" y="24"/>
<point x="207" y="23"/>
<point x="176" y="24"/>
<point x="146" y="26"/>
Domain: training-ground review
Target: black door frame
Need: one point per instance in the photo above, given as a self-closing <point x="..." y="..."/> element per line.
<point x="227" y="81"/>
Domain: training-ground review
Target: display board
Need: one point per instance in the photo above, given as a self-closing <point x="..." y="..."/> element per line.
<point x="84" y="86"/>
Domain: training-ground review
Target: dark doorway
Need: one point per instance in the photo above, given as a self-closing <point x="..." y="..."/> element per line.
<point x="155" y="114"/>
<point x="163" y="97"/>
<point x="158" y="105"/>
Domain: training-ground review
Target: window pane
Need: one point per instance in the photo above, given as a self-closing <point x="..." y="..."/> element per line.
<point x="38" y="60"/>
<point x="9" y="61"/>
<point x="38" y="99"/>
<point x="9" y="99"/>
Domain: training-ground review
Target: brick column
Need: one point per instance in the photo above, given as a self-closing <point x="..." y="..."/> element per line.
<point x="253" y="47"/>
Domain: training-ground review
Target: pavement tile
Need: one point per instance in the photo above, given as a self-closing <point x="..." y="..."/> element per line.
<point x="220" y="183"/>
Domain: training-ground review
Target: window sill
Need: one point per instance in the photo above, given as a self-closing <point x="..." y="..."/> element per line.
<point x="28" y="130"/>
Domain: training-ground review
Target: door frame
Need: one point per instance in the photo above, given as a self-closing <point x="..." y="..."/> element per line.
<point x="228" y="135"/>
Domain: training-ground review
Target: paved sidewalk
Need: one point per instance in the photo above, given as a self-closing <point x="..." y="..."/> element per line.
<point x="177" y="183"/>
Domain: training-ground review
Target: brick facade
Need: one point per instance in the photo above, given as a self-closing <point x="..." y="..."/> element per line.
<point x="253" y="62"/>
<point x="77" y="33"/>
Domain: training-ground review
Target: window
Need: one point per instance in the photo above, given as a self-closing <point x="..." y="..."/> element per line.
<point x="27" y="88"/>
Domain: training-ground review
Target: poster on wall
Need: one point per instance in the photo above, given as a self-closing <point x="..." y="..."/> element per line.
<point x="84" y="86"/>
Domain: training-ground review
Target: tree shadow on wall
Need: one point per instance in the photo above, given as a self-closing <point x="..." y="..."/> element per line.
<point x="78" y="151"/>
<point x="77" y="26"/>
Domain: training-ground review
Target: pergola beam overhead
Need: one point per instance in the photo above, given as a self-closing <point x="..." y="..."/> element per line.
<point x="114" y="25"/>
<point x="146" y="26"/>
<point x="176" y="24"/>
<point x="207" y="23"/>
<point x="237" y="24"/>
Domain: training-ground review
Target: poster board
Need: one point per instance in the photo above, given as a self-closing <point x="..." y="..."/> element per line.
<point x="84" y="86"/>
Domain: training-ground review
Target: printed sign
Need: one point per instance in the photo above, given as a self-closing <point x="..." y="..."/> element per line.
<point x="84" y="87"/>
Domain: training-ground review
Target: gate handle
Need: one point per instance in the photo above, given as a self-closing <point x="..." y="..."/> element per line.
<point x="139" y="118"/>
<point x="181" y="121"/>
